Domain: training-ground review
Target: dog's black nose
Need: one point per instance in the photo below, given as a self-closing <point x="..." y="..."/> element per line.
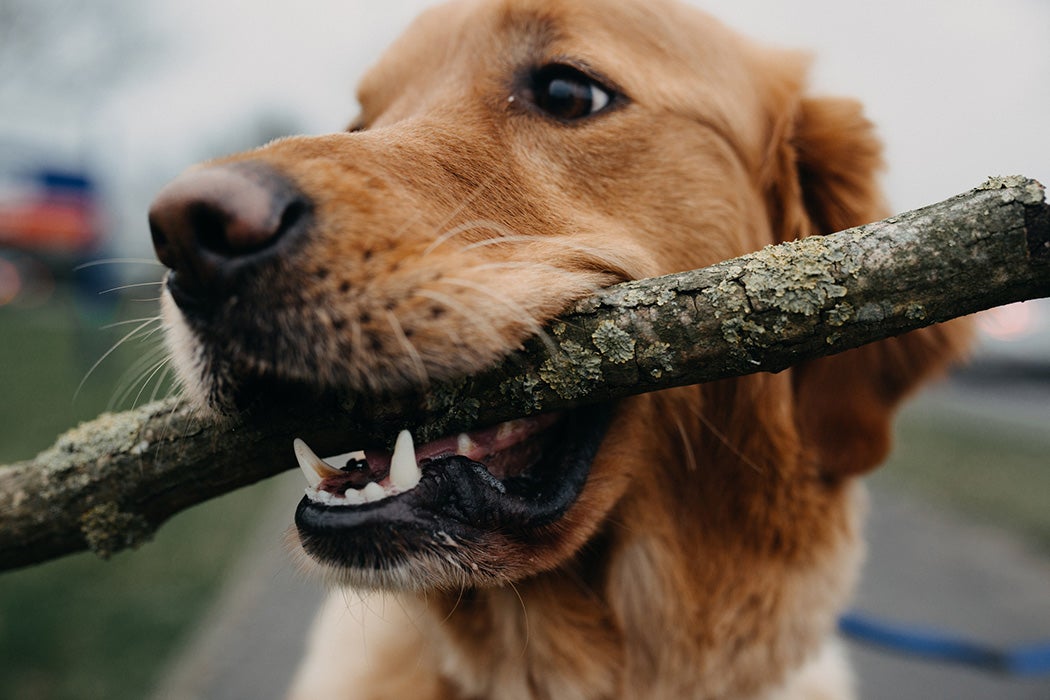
<point x="212" y="223"/>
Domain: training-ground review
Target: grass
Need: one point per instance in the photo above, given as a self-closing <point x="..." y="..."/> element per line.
<point x="986" y="467"/>
<point x="47" y="378"/>
<point x="81" y="628"/>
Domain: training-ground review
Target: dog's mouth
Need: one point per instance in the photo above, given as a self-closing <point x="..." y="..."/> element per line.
<point x="373" y="510"/>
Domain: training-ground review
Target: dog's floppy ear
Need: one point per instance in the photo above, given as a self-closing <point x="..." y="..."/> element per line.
<point x="822" y="168"/>
<point x="822" y="178"/>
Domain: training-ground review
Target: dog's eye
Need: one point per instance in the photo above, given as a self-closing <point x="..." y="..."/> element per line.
<point x="567" y="93"/>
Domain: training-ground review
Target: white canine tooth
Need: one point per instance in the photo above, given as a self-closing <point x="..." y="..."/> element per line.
<point x="372" y="492"/>
<point x="303" y="455"/>
<point x="404" y="472"/>
<point x="314" y="468"/>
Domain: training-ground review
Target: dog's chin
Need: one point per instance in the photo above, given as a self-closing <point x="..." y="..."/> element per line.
<point x="487" y="506"/>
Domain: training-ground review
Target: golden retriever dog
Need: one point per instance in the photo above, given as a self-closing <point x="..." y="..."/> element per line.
<point x="510" y="157"/>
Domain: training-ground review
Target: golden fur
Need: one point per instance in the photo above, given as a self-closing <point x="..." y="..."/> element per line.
<point x="717" y="536"/>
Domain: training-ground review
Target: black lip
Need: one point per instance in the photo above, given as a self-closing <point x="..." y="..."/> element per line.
<point x="456" y="498"/>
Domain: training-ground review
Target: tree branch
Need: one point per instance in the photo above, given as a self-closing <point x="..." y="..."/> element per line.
<point x="109" y="483"/>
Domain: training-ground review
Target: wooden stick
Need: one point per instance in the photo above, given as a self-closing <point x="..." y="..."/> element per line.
<point x="111" y="482"/>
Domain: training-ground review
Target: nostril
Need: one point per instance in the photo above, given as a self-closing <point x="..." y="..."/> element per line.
<point x="161" y="244"/>
<point x="209" y="222"/>
<point x="245" y="221"/>
<point x="294" y="212"/>
<point x="232" y="234"/>
<point x="212" y="227"/>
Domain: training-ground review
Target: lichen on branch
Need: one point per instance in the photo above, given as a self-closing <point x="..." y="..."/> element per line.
<point x="109" y="483"/>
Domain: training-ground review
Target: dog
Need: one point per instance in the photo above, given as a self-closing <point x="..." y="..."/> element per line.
<point x="511" y="157"/>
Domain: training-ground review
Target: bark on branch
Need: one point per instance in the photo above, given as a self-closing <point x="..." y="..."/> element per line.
<point x="109" y="483"/>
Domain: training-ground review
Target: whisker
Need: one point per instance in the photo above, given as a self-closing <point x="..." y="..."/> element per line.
<point x="374" y="604"/>
<point x="470" y="315"/>
<point x="591" y="287"/>
<point x="469" y="226"/>
<point x="596" y="256"/>
<point x="455" y="606"/>
<point x="129" y="321"/>
<point x="417" y="361"/>
<point x="519" y="311"/>
<point x="455" y="212"/>
<point x="525" y="617"/>
<point x="143" y="368"/>
<point x="517" y="238"/>
<point x="166" y="430"/>
<point x="145" y="336"/>
<point x="153" y="372"/>
<point x="413" y="618"/>
<point x="130" y="286"/>
<point x="519" y="265"/>
<point x="462" y="205"/>
<point x="722" y="438"/>
<point x="586" y="285"/>
<point x="111" y="351"/>
<point x="690" y="456"/>
<point x="133" y="375"/>
<point x="117" y="261"/>
<point x="161" y="382"/>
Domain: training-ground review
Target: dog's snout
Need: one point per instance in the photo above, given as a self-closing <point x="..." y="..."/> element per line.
<point x="207" y="223"/>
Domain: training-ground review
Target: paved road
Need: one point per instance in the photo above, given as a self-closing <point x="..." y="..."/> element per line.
<point x="934" y="569"/>
<point x="249" y="643"/>
<point x="925" y="567"/>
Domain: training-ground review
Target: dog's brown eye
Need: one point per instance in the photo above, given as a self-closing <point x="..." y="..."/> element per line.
<point x="567" y="93"/>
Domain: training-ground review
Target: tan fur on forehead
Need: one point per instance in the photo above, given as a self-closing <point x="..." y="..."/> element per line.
<point x="720" y="80"/>
<point x="717" y="535"/>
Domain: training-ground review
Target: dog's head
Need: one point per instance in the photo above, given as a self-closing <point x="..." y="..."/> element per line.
<point x="510" y="157"/>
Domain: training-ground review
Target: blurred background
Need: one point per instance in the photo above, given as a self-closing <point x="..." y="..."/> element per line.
<point x="101" y="103"/>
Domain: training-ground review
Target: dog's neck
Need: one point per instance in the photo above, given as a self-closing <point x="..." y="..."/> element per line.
<point x="552" y="636"/>
<point x="516" y="642"/>
<point x="625" y="623"/>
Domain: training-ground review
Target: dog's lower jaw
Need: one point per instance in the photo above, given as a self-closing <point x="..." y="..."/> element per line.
<point x="572" y="634"/>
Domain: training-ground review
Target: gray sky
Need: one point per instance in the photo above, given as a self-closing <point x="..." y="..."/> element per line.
<point x="960" y="90"/>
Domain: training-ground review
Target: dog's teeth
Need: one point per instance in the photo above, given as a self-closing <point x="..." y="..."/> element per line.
<point x="404" y="472"/>
<point x="464" y="444"/>
<point x="354" y="497"/>
<point x="372" y="492"/>
<point x="314" y="468"/>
